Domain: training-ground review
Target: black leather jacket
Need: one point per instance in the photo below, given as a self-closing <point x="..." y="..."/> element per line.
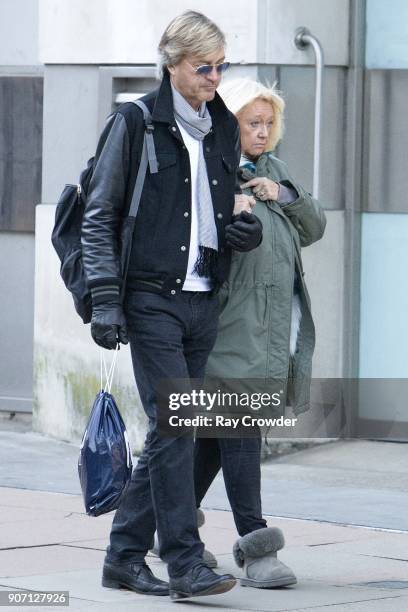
<point x="161" y="238"/>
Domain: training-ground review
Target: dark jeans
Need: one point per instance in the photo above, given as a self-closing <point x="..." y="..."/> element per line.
<point x="240" y="459"/>
<point x="170" y="337"/>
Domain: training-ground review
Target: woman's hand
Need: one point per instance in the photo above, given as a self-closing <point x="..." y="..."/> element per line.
<point x="243" y="202"/>
<point x="263" y="188"/>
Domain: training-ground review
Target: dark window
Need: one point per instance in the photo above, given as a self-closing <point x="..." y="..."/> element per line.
<point x="21" y="105"/>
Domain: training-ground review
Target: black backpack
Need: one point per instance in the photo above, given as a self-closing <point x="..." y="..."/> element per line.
<point x="66" y="235"/>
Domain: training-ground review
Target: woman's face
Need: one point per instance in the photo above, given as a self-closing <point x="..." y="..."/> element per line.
<point x="255" y="122"/>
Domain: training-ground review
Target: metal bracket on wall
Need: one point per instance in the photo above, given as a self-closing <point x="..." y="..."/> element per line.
<point x="304" y="39"/>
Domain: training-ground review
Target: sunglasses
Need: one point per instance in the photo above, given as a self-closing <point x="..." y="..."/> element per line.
<point x="208" y="68"/>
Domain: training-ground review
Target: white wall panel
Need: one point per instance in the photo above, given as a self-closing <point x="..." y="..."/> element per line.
<point x="279" y="19"/>
<point x="18" y="32"/>
<point x="126" y="31"/>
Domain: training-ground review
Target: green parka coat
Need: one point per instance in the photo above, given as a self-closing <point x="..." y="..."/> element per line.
<point x="256" y="301"/>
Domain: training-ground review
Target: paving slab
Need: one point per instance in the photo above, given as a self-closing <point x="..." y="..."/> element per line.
<point x="93" y="544"/>
<point x="357" y="482"/>
<point x="342" y="568"/>
<point x="372" y="456"/>
<point x="49" y="559"/>
<point x="287" y="496"/>
<point x="38" y="462"/>
<point x="319" y="497"/>
<point x="52" y="531"/>
<point x="385" y="604"/>
<point x="41" y="499"/>
<point x="85" y="586"/>
<point x="328" y="573"/>
<point x="379" y="545"/>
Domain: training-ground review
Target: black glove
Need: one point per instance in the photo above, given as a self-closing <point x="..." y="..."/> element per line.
<point x="108" y="325"/>
<point x="244" y="233"/>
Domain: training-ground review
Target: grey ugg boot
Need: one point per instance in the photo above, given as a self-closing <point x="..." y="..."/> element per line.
<point x="208" y="557"/>
<point x="256" y="553"/>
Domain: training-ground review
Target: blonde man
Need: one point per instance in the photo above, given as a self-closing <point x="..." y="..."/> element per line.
<point x="180" y="256"/>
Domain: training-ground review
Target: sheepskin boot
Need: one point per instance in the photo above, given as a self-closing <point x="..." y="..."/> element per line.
<point x="208" y="558"/>
<point x="256" y="553"/>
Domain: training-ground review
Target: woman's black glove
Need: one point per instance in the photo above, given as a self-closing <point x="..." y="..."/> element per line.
<point x="108" y="325"/>
<point x="244" y="233"/>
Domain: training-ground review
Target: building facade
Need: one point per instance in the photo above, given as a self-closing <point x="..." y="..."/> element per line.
<point x="82" y="59"/>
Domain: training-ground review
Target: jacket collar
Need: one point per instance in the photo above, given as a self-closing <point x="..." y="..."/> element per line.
<point x="163" y="106"/>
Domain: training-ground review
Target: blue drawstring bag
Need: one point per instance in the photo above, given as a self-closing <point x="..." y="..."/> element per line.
<point x="105" y="459"/>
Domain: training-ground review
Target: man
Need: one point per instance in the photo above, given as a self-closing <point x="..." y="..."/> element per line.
<point x="180" y="255"/>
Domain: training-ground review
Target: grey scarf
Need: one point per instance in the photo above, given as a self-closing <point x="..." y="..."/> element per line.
<point x="198" y="126"/>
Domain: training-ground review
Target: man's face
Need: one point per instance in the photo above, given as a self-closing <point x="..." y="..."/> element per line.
<point x="197" y="88"/>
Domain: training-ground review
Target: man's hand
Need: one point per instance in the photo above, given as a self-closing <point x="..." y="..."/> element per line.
<point x="244" y="233"/>
<point x="108" y="325"/>
<point x="243" y="202"/>
<point x="263" y="188"/>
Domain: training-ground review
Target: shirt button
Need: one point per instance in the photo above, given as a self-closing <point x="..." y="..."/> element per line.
<point x="214" y="182"/>
<point x="208" y="149"/>
<point x="186" y="214"/>
<point x="173" y="292"/>
<point x="174" y="129"/>
<point x="178" y="280"/>
<point x="186" y="180"/>
<point x="219" y="216"/>
<point x="183" y="248"/>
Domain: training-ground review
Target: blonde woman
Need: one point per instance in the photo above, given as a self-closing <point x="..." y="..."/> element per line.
<point x="265" y="328"/>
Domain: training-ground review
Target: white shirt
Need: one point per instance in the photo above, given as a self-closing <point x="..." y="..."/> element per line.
<point x="193" y="282"/>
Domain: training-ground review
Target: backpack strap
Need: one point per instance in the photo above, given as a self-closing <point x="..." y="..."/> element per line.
<point x="149" y="129"/>
<point x="148" y="157"/>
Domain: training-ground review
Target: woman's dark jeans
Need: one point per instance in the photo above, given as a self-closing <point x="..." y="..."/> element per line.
<point x="240" y="459"/>
<point x="170" y="337"/>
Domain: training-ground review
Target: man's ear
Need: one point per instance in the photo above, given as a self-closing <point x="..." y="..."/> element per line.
<point x="170" y="69"/>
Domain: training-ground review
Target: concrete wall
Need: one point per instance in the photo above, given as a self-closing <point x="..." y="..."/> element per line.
<point x="19" y="33"/>
<point x="126" y="32"/>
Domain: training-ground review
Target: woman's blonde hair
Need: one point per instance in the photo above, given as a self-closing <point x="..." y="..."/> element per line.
<point x="189" y="34"/>
<point x="239" y="93"/>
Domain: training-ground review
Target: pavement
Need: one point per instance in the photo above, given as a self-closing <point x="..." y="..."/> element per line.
<point x="343" y="507"/>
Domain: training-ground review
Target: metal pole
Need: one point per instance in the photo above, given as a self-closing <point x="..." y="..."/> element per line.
<point x="303" y="38"/>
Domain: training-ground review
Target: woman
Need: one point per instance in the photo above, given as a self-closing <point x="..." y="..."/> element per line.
<point x="266" y="329"/>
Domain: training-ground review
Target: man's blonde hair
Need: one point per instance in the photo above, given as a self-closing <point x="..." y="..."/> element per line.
<point x="189" y="34"/>
<point x="239" y="93"/>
